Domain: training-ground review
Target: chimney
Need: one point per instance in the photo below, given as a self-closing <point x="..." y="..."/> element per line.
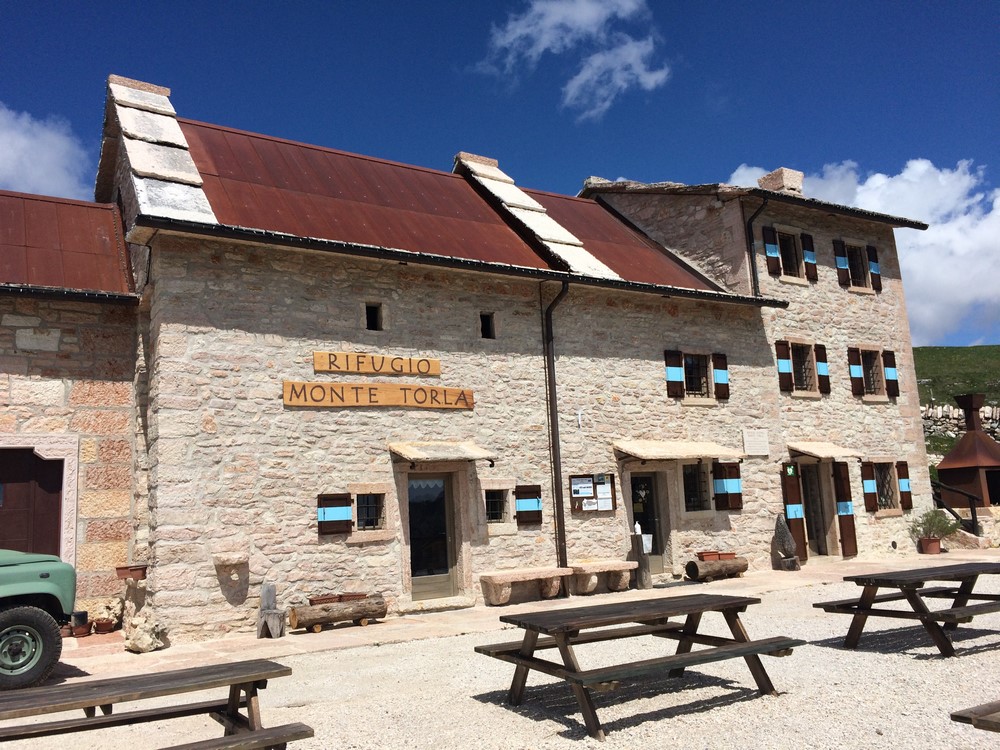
<point x="782" y="180"/>
<point x="971" y="403"/>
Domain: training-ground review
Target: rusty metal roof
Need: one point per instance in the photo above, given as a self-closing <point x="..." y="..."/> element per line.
<point x="624" y="250"/>
<point x="261" y="182"/>
<point x="975" y="449"/>
<point x="55" y="245"/>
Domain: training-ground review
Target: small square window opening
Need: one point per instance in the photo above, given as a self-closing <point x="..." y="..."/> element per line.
<point x="696" y="496"/>
<point x="487" y="327"/>
<point x="857" y="262"/>
<point x="370" y="511"/>
<point x="496" y="506"/>
<point x="791" y="255"/>
<point x="373" y="316"/>
<point x="803" y="367"/>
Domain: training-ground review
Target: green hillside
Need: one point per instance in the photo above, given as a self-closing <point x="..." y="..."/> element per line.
<point x="945" y="371"/>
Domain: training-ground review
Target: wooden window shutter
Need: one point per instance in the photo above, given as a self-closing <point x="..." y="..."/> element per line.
<point x="903" y="475"/>
<point x="857" y="374"/>
<point x="783" y="353"/>
<point x="771" y="250"/>
<point x="675" y="373"/>
<point x="873" y="268"/>
<point x="843" y="269"/>
<point x="891" y="377"/>
<point x="809" y="256"/>
<point x="794" y="510"/>
<point x="868" y="486"/>
<point x="528" y="503"/>
<point x="335" y="513"/>
<point x="720" y="376"/>
<point x="845" y="509"/>
<point x="822" y="368"/>
<point x="727" y="487"/>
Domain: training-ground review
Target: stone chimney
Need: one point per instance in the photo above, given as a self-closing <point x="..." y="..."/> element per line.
<point x="971" y="403"/>
<point x="782" y="180"/>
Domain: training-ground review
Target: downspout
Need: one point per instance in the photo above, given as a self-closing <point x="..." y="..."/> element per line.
<point x="550" y="387"/>
<point x="751" y="254"/>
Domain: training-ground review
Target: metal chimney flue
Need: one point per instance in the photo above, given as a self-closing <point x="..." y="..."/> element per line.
<point x="971" y="403"/>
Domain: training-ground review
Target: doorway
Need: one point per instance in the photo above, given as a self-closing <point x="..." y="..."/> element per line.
<point x="645" y="512"/>
<point x="812" y="498"/>
<point x="432" y="555"/>
<point x="30" y="502"/>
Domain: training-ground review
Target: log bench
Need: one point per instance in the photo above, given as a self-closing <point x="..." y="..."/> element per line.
<point x="585" y="574"/>
<point x="497" y="584"/>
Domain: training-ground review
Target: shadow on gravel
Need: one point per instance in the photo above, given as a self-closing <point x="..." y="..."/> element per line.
<point x="555" y="701"/>
<point x="903" y="640"/>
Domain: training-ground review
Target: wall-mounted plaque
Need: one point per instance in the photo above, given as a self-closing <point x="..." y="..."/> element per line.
<point x="755" y="442"/>
<point x="338" y="395"/>
<point x="592" y="492"/>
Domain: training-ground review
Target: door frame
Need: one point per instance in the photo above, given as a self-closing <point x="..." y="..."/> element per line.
<point x="444" y="585"/>
<point x="65" y="448"/>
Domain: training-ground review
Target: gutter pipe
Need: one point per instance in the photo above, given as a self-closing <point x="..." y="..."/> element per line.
<point x="550" y="387"/>
<point x="751" y="254"/>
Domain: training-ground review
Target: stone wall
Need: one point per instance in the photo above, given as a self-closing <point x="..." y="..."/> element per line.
<point x="949" y="421"/>
<point x="66" y="388"/>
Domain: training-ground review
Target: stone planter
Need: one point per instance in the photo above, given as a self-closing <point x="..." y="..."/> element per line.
<point x="930" y="545"/>
<point x="727" y="555"/>
<point x="80" y="631"/>
<point x="135" y="572"/>
<point x="104" y="625"/>
<point x="708" y="555"/>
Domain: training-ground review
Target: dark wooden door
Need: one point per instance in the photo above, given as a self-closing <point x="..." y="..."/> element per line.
<point x="30" y="502"/>
<point x="644" y="508"/>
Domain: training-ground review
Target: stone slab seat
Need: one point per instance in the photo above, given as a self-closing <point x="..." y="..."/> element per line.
<point x="497" y="583"/>
<point x="585" y="574"/>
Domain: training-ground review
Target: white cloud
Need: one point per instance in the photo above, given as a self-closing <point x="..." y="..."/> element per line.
<point x="611" y="61"/>
<point x="950" y="271"/>
<point x="41" y="156"/>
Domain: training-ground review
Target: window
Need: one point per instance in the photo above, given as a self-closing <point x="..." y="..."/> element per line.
<point x="496" y="506"/>
<point x="696" y="495"/>
<point x="371" y="511"/>
<point x="886" y="485"/>
<point x="857" y="263"/>
<point x="873" y="372"/>
<point x="487" y="327"/>
<point x="802" y="367"/>
<point x="373" y="316"/>
<point x="789" y="252"/>
<point x="696" y="375"/>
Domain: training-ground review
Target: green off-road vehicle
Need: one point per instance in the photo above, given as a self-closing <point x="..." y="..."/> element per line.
<point x="36" y="596"/>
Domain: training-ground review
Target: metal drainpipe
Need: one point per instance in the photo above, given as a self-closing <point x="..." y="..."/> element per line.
<point x="752" y="255"/>
<point x="550" y="383"/>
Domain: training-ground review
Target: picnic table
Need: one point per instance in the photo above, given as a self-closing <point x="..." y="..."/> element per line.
<point x="911" y="586"/>
<point x="563" y="629"/>
<point x="986" y="716"/>
<point x="244" y="681"/>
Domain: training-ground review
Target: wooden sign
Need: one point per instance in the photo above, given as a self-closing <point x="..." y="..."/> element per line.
<point x="374" y="364"/>
<point x="376" y="394"/>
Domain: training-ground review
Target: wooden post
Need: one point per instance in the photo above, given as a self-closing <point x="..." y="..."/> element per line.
<point x="643" y="578"/>
<point x="270" y="619"/>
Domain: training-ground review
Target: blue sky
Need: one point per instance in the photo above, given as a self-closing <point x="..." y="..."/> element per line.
<point x="886" y="105"/>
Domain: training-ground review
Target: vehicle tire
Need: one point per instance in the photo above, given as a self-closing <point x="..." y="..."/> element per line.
<point x="30" y="646"/>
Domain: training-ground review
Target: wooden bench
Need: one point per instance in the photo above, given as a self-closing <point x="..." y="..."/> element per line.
<point x="849" y="606"/>
<point x="986" y="716"/>
<point x="497" y="584"/>
<point x="585" y="574"/>
<point x="272" y="737"/>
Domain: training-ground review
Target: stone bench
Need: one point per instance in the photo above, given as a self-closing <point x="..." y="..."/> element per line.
<point x="497" y="583"/>
<point x="585" y="574"/>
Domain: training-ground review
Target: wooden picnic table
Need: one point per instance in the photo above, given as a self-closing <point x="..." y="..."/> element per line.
<point x="986" y="716"/>
<point x="244" y="681"/>
<point x="911" y="586"/>
<point x="563" y="629"/>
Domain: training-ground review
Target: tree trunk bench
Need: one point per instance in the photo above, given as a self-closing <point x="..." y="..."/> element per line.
<point x="497" y="583"/>
<point x="585" y="574"/>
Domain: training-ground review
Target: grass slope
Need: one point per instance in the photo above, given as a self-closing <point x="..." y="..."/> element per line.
<point x="946" y="371"/>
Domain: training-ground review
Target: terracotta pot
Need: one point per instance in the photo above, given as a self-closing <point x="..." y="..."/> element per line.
<point x="930" y="546"/>
<point x="353" y="596"/>
<point x="136" y="572"/>
<point x="104" y="625"/>
<point x="727" y="555"/>
<point x="324" y="599"/>
<point x="66" y="631"/>
<point x="79" y="631"/>
<point x="708" y="555"/>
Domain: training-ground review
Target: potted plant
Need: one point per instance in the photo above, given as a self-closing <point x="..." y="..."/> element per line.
<point x="930" y="527"/>
<point x="107" y="614"/>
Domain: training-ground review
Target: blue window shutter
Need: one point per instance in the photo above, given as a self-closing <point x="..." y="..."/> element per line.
<point x="843" y="269"/>
<point x="874" y="272"/>
<point x="771" y="250"/>
<point x="720" y="376"/>
<point x="783" y="355"/>
<point x="675" y="373"/>
<point x="809" y="256"/>
<point x="891" y="377"/>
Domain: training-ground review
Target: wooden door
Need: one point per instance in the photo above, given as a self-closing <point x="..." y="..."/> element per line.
<point x="430" y="534"/>
<point x="845" y="509"/>
<point x="30" y="502"/>
<point x="794" y="512"/>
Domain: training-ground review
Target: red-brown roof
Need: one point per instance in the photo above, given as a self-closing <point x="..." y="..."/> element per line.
<point x="59" y="244"/>
<point x="265" y="183"/>
<point x="259" y="182"/>
<point x="975" y="449"/>
<point x="622" y="249"/>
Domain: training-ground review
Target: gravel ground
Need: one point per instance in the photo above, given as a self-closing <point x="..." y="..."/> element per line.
<point x="895" y="690"/>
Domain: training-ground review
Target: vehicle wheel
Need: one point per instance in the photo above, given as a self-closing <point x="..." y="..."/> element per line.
<point x="30" y="646"/>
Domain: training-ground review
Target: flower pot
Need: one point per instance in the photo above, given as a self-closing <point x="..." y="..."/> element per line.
<point x="66" y="631"/>
<point x="353" y="596"/>
<point x="325" y="599"/>
<point x="79" y="631"/>
<point x="135" y="572"/>
<point x="727" y="555"/>
<point x="708" y="555"/>
<point x="930" y="545"/>
<point x="104" y="625"/>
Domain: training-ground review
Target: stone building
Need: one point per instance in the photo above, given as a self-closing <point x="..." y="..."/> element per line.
<point x="338" y="373"/>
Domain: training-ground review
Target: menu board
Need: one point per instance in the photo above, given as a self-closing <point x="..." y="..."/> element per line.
<point x="592" y="492"/>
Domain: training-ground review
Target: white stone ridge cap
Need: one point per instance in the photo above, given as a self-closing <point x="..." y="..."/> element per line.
<point x="544" y="226"/>
<point x="150" y="127"/>
<point x="581" y="261"/>
<point x="161" y="162"/>
<point x="509" y="194"/>
<point x="487" y="171"/>
<point x="144" y="100"/>
<point x="172" y="200"/>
